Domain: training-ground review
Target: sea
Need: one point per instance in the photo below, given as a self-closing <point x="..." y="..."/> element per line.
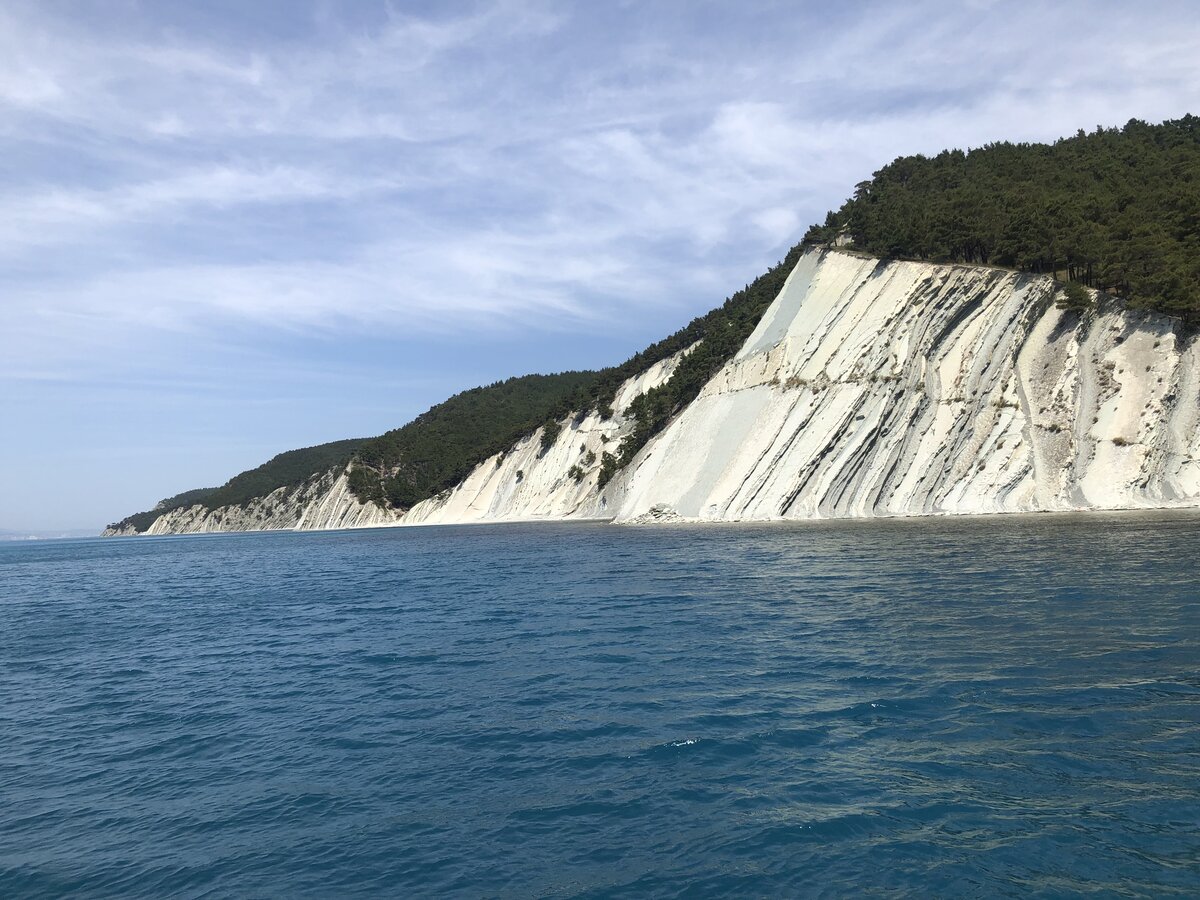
<point x="982" y="707"/>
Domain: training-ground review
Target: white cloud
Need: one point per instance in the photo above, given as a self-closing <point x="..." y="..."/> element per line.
<point x="61" y="215"/>
<point x="510" y="163"/>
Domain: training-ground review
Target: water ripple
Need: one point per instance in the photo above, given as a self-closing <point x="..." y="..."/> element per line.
<point x="994" y="707"/>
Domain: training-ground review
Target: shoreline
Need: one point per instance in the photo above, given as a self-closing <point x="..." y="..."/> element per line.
<point x="686" y="523"/>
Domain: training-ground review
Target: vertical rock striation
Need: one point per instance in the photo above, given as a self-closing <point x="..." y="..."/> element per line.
<point x="322" y="502"/>
<point x="877" y="388"/>
<point x="526" y="483"/>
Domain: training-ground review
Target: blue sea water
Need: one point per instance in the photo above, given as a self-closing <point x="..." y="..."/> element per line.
<point x="995" y="707"/>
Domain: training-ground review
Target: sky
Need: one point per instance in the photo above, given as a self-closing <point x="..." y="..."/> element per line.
<point x="229" y="229"/>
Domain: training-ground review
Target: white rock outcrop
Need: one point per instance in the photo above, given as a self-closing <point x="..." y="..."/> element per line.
<point x="522" y="484"/>
<point x="869" y="388"/>
<point x="902" y="389"/>
<point x="324" y="502"/>
<point x="526" y="484"/>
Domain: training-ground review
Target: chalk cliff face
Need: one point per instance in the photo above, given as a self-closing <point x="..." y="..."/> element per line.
<point x="526" y="483"/>
<point x="868" y="389"/>
<point x="321" y="503"/>
<point x="899" y="389"/>
<point x="523" y="483"/>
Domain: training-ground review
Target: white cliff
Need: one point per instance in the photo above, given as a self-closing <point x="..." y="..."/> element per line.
<point x="323" y="502"/>
<point x="901" y="389"/>
<point x="868" y="389"/>
<point x="524" y="483"/>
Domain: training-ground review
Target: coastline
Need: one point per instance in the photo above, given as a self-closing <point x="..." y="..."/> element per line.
<point x="682" y="523"/>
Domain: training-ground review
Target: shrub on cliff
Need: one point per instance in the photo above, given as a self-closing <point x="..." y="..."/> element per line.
<point x="1073" y="297"/>
<point x="550" y="432"/>
<point x="608" y="468"/>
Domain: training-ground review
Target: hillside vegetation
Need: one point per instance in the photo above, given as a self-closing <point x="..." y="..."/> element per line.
<point x="1116" y="209"/>
<point x="143" y="520"/>
<point x="289" y="469"/>
<point x="438" y="448"/>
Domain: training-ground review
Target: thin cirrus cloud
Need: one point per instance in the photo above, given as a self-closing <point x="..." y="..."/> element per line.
<point x="476" y="123"/>
<point x="556" y="182"/>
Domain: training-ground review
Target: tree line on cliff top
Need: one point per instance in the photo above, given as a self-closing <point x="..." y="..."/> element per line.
<point x="1116" y="209"/>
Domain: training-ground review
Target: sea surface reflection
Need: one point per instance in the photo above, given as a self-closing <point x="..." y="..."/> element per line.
<point x="931" y="707"/>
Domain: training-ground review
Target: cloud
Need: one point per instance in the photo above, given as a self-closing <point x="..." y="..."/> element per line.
<point x="59" y="215"/>
<point x="499" y="162"/>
